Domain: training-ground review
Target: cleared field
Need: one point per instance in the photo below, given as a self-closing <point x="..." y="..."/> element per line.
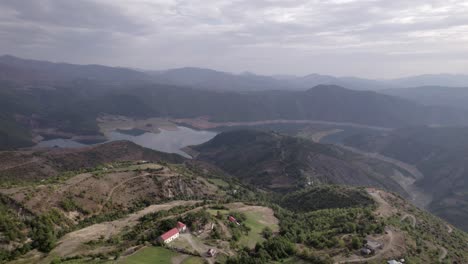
<point x="257" y="219"/>
<point x="193" y="260"/>
<point x="150" y="255"/>
<point x="214" y="212"/>
<point x="218" y="182"/>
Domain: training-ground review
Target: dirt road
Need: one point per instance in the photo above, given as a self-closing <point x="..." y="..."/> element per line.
<point x="417" y="197"/>
<point x="413" y="219"/>
<point x="443" y="254"/>
<point x="109" y="196"/>
<point x="70" y="244"/>
<point x="387" y="247"/>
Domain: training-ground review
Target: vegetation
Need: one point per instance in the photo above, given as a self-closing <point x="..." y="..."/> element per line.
<point x="150" y="255"/>
<point x="326" y="197"/>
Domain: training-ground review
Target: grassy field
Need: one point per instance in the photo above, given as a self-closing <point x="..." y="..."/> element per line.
<point x="256" y="222"/>
<point x="214" y="212"/>
<point x="193" y="260"/>
<point x="156" y="255"/>
<point x="218" y="182"/>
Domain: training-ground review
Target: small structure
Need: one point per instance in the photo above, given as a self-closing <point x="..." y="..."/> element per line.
<point x="373" y="245"/>
<point x="233" y="220"/>
<point x="169" y="236"/>
<point x="181" y="227"/>
<point x="211" y="252"/>
<point x="394" y="262"/>
<point x="366" y="251"/>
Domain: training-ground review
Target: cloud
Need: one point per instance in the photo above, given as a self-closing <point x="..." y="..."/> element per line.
<point x="371" y="38"/>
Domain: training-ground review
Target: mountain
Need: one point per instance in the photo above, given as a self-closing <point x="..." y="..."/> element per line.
<point x="434" y="95"/>
<point x="448" y="80"/>
<point x="28" y="166"/>
<point x="114" y="209"/>
<point x="323" y="102"/>
<point x="283" y="163"/>
<point x="207" y="79"/>
<point x="353" y="83"/>
<point x="74" y="107"/>
<point x="25" y="71"/>
<point x="440" y="154"/>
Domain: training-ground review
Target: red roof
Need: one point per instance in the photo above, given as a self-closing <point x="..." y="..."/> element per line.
<point x="232" y="219"/>
<point x="180" y="225"/>
<point x="169" y="234"/>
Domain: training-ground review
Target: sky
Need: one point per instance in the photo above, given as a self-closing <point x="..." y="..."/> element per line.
<point x="365" y="38"/>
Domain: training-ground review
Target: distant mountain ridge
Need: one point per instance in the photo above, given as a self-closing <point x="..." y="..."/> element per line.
<point x="433" y="95"/>
<point x="23" y="70"/>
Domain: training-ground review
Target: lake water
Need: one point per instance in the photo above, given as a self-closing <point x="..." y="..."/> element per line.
<point x="170" y="141"/>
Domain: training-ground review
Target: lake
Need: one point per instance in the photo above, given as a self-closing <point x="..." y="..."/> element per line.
<point x="170" y="141"/>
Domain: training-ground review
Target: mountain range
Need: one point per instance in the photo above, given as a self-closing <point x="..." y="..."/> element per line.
<point x="26" y="71"/>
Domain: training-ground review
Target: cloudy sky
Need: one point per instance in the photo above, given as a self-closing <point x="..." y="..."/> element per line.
<point x="366" y="38"/>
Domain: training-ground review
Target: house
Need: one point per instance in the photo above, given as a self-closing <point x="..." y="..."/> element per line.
<point x="211" y="252"/>
<point x="233" y="220"/>
<point x="181" y="227"/>
<point x="169" y="236"/>
<point x="394" y="262"/>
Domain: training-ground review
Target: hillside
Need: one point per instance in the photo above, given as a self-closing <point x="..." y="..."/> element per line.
<point x="282" y="163"/>
<point x="24" y="71"/>
<point x="106" y="205"/>
<point x="440" y="154"/>
<point x="71" y="106"/>
<point x="19" y="167"/>
<point x="433" y="95"/>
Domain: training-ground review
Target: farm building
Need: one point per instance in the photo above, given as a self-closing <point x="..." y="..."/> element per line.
<point x="169" y="236"/>
<point x="173" y="233"/>
<point x="181" y="227"/>
<point x="211" y="252"/>
<point x="233" y="220"/>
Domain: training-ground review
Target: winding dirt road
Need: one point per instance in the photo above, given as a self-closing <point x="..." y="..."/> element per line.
<point x="69" y="245"/>
<point x="410" y="216"/>
<point x="109" y="196"/>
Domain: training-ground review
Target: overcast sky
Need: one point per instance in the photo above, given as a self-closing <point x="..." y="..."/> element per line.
<point x="368" y="38"/>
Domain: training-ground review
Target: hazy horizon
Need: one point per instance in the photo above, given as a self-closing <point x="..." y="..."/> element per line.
<point x="368" y="39"/>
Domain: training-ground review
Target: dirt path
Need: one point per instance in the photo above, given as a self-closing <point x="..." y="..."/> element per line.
<point x="33" y="160"/>
<point x="179" y="259"/>
<point x="109" y="196"/>
<point x="318" y="136"/>
<point x="384" y="209"/>
<point x="413" y="219"/>
<point x="417" y="197"/>
<point x="387" y="247"/>
<point x="197" y="246"/>
<point x="204" y="123"/>
<point x="443" y="254"/>
<point x="70" y="244"/>
<point x="449" y="229"/>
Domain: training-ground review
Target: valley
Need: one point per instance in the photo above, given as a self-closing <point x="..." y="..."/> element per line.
<point x="113" y="165"/>
<point x="114" y="212"/>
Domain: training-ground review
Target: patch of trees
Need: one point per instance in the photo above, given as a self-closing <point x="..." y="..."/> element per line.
<point x="320" y="229"/>
<point x="271" y="250"/>
<point x="326" y="197"/>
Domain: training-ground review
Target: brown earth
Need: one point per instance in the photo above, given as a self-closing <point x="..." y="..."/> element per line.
<point x="35" y="165"/>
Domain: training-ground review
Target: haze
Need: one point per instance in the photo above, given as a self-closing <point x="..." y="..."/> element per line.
<point x="373" y="39"/>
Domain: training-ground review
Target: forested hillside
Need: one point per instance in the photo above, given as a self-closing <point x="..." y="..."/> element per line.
<point x="282" y="163"/>
<point x="440" y="154"/>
